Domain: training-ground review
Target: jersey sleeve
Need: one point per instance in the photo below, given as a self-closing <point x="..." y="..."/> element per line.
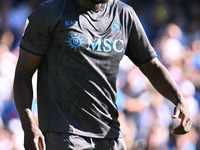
<point x="139" y="49"/>
<point x="36" y="38"/>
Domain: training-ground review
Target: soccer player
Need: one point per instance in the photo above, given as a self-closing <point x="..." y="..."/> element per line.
<point x="77" y="45"/>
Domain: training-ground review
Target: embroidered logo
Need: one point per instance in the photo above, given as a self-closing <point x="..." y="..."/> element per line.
<point x="100" y="45"/>
<point x="75" y="42"/>
<point x="71" y="23"/>
<point x="116" y="26"/>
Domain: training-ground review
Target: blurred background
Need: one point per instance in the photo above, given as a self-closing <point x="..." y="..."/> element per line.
<point x="173" y="28"/>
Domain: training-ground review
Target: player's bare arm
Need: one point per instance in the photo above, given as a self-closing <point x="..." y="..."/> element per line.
<point x="23" y="95"/>
<point x="161" y="79"/>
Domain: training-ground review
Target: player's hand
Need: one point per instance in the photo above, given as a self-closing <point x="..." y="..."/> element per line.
<point x="34" y="139"/>
<point x="182" y="111"/>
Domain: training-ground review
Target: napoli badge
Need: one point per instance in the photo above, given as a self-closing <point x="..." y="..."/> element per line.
<point x="116" y="26"/>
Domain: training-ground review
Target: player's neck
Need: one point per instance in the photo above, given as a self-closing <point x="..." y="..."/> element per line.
<point x="89" y="5"/>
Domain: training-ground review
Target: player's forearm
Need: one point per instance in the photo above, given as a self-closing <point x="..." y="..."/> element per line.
<point x="23" y="100"/>
<point x="161" y="79"/>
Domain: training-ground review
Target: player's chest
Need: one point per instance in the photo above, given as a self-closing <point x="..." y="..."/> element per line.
<point x="77" y="33"/>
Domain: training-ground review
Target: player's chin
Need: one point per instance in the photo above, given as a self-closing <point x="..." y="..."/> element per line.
<point x="99" y="1"/>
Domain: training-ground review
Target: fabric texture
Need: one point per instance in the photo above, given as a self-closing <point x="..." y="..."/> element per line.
<point x="81" y="52"/>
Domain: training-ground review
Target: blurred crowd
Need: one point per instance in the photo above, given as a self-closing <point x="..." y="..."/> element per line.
<point x="173" y="28"/>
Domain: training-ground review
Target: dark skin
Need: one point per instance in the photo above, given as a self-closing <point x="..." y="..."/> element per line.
<point x="160" y="78"/>
<point x="23" y="94"/>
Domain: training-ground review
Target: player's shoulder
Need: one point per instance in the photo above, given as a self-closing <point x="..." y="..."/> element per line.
<point x="51" y="6"/>
<point x="121" y="4"/>
<point x="48" y="11"/>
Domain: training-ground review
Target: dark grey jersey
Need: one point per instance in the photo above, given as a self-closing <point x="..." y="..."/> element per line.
<point x="81" y="52"/>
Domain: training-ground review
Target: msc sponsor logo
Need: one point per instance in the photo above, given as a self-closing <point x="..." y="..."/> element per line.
<point x="105" y="45"/>
<point x="75" y="42"/>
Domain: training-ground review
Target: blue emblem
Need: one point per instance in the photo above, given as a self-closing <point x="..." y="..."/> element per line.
<point x="116" y="26"/>
<point x="75" y="42"/>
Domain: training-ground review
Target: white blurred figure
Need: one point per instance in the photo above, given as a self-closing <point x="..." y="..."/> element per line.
<point x="171" y="47"/>
<point x="158" y="113"/>
<point x="188" y="90"/>
<point x="17" y="135"/>
<point x="5" y="142"/>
